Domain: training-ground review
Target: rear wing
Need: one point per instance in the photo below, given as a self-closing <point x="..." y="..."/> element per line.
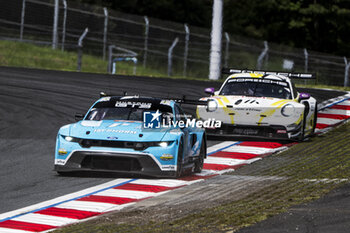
<point x="263" y="72"/>
<point x="183" y="100"/>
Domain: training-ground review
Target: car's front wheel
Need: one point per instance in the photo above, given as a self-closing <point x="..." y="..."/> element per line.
<point x="302" y="131"/>
<point x="198" y="165"/>
<point x="179" y="160"/>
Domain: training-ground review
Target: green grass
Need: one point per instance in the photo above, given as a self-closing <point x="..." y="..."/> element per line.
<point x="17" y="54"/>
<point x="326" y="156"/>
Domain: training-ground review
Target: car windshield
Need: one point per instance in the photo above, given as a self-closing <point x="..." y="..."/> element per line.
<point x="105" y="111"/>
<point x="261" y="88"/>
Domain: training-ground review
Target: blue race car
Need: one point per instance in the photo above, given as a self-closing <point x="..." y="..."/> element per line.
<point x="131" y="135"/>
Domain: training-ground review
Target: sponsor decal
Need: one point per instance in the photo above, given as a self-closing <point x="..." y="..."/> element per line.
<point x="168" y="168"/>
<point x="60" y="161"/>
<point x="124" y="104"/>
<point x="114" y="131"/>
<point x="166" y="157"/>
<point x="281" y="131"/>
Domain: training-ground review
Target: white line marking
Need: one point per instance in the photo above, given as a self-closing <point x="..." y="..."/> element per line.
<point x="9" y="230"/>
<point x="87" y="206"/>
<point x="62" y="198"/>
<point x="327" y="121"/>
<point x="126" y="193"/>
<point x="45" y="219"/>
<point x="224" y="161"/>
<point x="336" y="111"/>
<point x="160" y="182"/>
<point x="219" y="146"/>
<point x="249" y="149"/>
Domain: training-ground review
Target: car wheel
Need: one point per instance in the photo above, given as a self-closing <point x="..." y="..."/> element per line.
<point x="179" y="160"/>
<point x="302" y="133"/>
<point x="198" y="165"/>
<point x="315" y="120"/>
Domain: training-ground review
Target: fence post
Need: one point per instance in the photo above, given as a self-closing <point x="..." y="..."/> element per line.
<point x="64" y="24"/>
<point x="170" y="54"/>
<point x="80" y="48"/>
<point x="55" y="25"/>
<point x="145" y="49"/>
<point x="306" y="54"/>
<point x="110" y="55"/>
<point x="105" y="31"/>
<point x="262" y="55"/>
<point x="187" y="39"/>
<point x="215" y="42"/>
<point x="346" y="77"/>
<point x="227" y="48"/>
<point x="22" y="19"/>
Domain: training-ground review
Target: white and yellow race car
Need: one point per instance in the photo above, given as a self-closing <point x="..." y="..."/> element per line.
<point x="260" y="104"/>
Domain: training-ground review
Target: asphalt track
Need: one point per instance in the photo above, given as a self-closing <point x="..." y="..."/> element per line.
<point x="35" y="103"/>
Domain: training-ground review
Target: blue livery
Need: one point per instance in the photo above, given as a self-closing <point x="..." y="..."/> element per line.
<point x="131" y="135"/>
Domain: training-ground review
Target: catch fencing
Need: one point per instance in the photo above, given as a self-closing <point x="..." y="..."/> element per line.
<point x="165" y="47"/>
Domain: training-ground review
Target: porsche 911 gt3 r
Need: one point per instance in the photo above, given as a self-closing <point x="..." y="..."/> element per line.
<point x="261" y="104"/>
<point x="113" y="137"/>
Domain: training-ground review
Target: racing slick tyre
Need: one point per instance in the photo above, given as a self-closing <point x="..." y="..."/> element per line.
<point x="179" y="160"/>
<point x="302" y="132"/>
<point x="198" y="165"/>
<point x="315" y="121"/>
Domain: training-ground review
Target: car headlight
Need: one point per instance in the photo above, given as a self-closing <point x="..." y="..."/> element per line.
<point x="212" y="105"/>
<point x="163" y="144"/>
<point x="145" y="145"/>
<point x="70" y="139"/>
<point x="287" y="110"/>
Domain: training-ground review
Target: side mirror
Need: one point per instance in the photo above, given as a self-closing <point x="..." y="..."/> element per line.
<point x="304" y="96"/>
<point x="209" y="90"/>
<point x="79" y="116"/>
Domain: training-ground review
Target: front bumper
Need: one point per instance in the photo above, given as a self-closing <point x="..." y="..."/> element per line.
<point x="116" y="162"/>
<point x="267" y="132"/>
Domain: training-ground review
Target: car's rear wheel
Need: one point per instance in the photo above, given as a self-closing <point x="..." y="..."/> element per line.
<point x="179" y="160"/>
<point x="198" y="165"/>
<point x="315" y="120"/>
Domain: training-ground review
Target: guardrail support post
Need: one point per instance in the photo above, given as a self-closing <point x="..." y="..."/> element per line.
<point x="22" y="19"/>
<point x="262" y="55"/>
<point x="110" y="56"/>
<point x="55" y="25"/>
<point x="346" y="76"/>
<point x="170" y="56"/>
<point x="187" y="39"/>
<point x="64" y="24"/>
<point x="215" y="42"/>
<point x="145" y="49"/>
<point x="80" y="48"/>
<point x="306" y="54"/>
<point x="227" y="48"/>
<point x="105" y="31"/>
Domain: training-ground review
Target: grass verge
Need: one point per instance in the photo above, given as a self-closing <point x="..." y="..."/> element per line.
<point x="18" y="54"/>
<point x="309" y="171"/>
